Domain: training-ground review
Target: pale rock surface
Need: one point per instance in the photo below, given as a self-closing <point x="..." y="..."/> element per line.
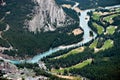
<point x="48" y="16"/>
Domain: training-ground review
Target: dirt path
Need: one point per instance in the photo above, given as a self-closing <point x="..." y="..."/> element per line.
<point x="66" y="77"/>
<point x="2" y="49"/>
<point x="75" y="7"/>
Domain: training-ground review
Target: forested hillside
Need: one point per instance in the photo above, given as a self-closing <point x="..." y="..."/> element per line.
<point x="88" y="47"/>
<point x="27" y="42"/>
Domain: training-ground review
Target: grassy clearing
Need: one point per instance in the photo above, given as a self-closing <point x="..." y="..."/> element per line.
<point x="96" y="16"/>
<point x="69" y="77"/>
<point x="107" y="44"/>
<point x="94" y="44"/>
<point x="118" y="10"/>
<point x="99" y="28"/>
<point x="110" y="30"/>
<point x="83" y="64"/>
<point x="80" y="65"/>
<point x="109" y="18"/>
<point x="74" y="51"/>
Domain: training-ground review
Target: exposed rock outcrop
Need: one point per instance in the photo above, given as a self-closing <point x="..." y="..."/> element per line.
<point x="48" y="16"/>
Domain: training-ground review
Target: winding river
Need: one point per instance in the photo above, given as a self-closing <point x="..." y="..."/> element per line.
<point x="86" y="38"/>
<point x="83" y="18"/>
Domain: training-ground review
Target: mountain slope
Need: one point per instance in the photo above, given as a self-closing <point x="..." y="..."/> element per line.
<point x="48" y="16"/>
<point x="22" y="26"/>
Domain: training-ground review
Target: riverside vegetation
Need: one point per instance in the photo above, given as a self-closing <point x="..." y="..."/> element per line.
<point x="96" y="60"/>
<point x="100" y="59"/>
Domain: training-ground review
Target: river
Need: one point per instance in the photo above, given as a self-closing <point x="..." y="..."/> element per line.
<point x="86" y="38"/>
<point x="83" y="18"/>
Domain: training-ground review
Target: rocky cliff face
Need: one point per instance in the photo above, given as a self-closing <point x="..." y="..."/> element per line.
<point x="48" y="16"/>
